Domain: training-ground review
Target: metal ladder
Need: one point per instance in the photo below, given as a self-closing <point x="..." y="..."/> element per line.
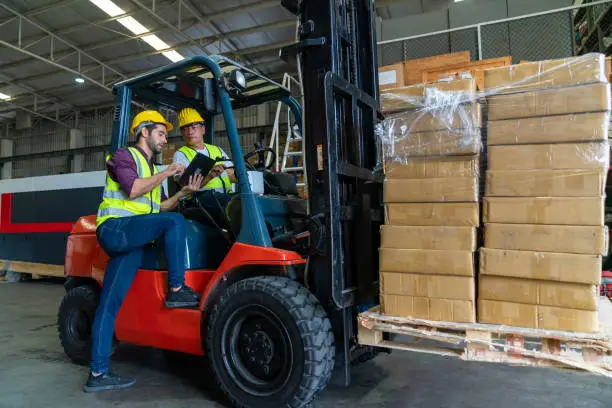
<point x="292" y="138"/>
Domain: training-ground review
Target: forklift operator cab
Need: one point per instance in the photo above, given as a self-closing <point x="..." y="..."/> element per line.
<point x="193" y="83"/>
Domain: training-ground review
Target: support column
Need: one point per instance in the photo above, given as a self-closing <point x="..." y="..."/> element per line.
<point x="7" y="149"/>
<point x="77" y="141"/>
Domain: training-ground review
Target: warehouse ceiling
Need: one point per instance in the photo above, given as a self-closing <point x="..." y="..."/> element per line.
<point x="63" y="56"/>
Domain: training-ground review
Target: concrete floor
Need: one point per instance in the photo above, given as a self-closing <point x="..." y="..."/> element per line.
<point x="34" y="372"/>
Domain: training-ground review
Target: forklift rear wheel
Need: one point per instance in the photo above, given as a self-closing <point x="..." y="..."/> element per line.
<point x="75" y="322"/>
<point x="269" y="342"/>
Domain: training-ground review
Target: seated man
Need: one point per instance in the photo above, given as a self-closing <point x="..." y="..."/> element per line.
<point x="133" y="213"/>
<point x="216" y="191"/>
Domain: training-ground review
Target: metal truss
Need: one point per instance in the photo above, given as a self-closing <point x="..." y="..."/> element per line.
<point x="82" y="56"/>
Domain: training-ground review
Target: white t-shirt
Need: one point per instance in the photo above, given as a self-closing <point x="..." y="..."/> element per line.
<point x="179" y="157"/>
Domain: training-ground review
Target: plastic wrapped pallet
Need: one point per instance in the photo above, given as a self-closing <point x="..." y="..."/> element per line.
<point x="548" y="157"/>
<point x="431" y="141"/>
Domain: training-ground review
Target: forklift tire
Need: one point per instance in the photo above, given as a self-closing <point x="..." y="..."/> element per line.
<point x="75" y="321"/>
<point x="270" y="343"/>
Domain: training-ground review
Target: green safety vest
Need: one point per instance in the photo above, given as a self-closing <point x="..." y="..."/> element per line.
<point x="116" y="203"/>
<point x="221" y="183"/>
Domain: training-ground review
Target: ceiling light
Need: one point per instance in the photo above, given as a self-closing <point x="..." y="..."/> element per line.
<point x="108" y="7"/>
<point x="4" y="97"/>
<point x="155" y="42"/>
<point x="133" y="25"/>
<point x="79" y="80"/>
<point x="173" y="56"/>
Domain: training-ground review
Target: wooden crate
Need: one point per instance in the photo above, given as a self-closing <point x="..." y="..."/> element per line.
<point x="474" y="68"/>
<point x="413" y="69"/>
<point x="590" y="352"/>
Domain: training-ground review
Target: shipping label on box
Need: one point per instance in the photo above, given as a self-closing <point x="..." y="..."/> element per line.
<point x="428" y="237"/>
<point x="424" y="261"/>
<point x="537" y="317"/>
<point x="572" y="239"/>
<point x="432" y="286"/>
<point x="551" y="266"/>
<point x="446" y="310"/>
<point x="583" y="127"/>
<point x="558" y="101"/>
<point x="561" y="294"/>
<point x="449" y="214"/>
<point x="421" y="95"/>
<point x="545" y="183"/>
<point x="457" y="189"/>
<point x="437" y="167"/>
<point x="544" y="210"/>
<point x="565" y="156"/>
<point x="391" y="76"/>
<point x="583" y="69"/>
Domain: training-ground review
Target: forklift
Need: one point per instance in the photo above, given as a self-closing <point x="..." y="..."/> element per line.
<point x="282" y="285"/>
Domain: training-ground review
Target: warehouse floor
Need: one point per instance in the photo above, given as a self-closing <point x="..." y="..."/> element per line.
<point x="34" y="372"/>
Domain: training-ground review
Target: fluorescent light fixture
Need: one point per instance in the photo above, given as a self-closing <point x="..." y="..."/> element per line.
<point x="108" y="7"/>
<point x="155" y="42"/>
<point x="133" y="25"/>
<point x="4" y="97"/>
<point x="79" y="80"/>
<point x="173" y="56"/>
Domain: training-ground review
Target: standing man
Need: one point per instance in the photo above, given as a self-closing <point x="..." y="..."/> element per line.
<point x="217" y="185"/>
<point x="134" y="212"/>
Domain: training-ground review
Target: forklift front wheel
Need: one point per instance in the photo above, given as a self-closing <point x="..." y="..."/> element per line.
<point x="75" y="321"/>
<point x="270" y="343"/>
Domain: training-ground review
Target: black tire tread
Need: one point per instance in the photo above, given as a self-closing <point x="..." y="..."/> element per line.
<point x="90" y="295"/>
<point x="312" y="322"/>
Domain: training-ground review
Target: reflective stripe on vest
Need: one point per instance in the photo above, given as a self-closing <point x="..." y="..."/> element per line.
<point x="222" y="183"/>
<point x="116" y="203"/>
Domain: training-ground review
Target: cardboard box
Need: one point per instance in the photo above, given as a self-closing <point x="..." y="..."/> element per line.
<point x="583" y="127"/>
<point x="583" y="69"/>
<point x="391" y="76"/>
<point x="560" y="156"/>
<point x="537" y="292"/>
<point x="440" y="143"/>
<point x="437" y="115"/>
<point x="544" y="210"/>
<point x="420" y="95"/>
<point x="424" y="261"/>
<point x="456" y="189"/>
<point x="432" y="167"/>
<point x="572" y="239"/>
<point x="549" y="266"/>
<point x="449" y="214"/>
<point x="545" y="183"/>
<point x="557" y="101"/>
<point x="447" y="310"/>
<point x="428" y="237"/>
<point x="432" y="286"/>
<point x="168" y="153"/>
<point x="537" y="317"/>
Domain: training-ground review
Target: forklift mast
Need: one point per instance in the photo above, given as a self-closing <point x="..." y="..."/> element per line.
<point x="337" y="50"/>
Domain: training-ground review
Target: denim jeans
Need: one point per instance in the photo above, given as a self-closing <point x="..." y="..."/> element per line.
<point x="124" y="240"/>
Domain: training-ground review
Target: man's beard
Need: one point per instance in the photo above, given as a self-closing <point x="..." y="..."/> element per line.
<point x="154" y="147"/>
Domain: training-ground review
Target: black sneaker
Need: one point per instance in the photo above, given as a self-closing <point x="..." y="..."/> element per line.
<point x="107" y="381"/>
<point x="185" y="297"/>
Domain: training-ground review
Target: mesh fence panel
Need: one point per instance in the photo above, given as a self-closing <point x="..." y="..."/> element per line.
<point x="465" y="40"/>
<point x="429" y="46"/>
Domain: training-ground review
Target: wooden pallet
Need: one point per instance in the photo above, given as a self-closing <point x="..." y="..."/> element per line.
<point x="591" y="352"/>
<point x="35" y="269"/>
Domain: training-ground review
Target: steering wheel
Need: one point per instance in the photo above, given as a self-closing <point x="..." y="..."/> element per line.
<point x="261" y="160"/>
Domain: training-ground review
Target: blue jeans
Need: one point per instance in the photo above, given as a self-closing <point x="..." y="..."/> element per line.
<point x="124" y="240"/>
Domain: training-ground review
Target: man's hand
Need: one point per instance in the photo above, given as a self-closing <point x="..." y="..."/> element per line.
<point x="174" y="169"/>
<point x="216" y="171"/>
<point x="232" y="175"/>
<point x="194" y="184"/>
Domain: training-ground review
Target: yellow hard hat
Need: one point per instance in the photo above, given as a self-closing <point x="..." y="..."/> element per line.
<point x="149" y="117"/>
<point x="189" y="116"/>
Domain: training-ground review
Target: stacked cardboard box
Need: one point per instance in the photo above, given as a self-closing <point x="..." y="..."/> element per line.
<point x="547" y="162"/>
<point x="431" y="141"/>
